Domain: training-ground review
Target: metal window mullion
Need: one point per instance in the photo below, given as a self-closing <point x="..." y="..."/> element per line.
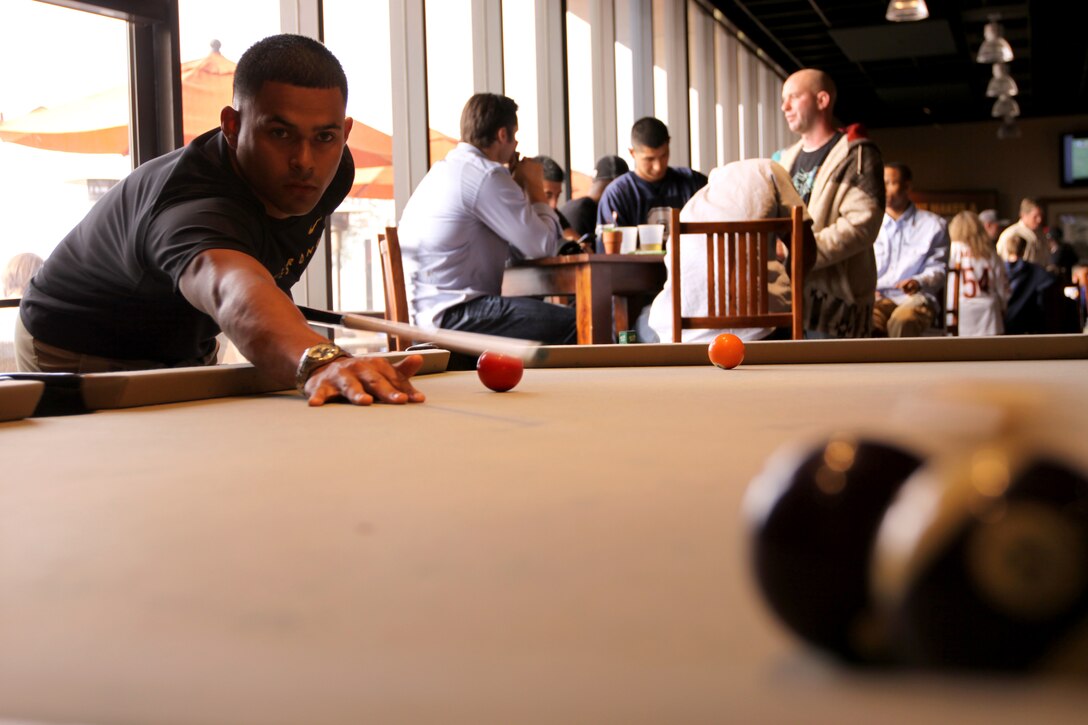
<point x="727" y="95"/>
<point x="551" y="81"/>
<point x="314" y="288"/>
<point x="155" y="81"/>
<point x="411" y="140"/>
<point x="702" y="72"/>
<point x="603" y="68"/>
<point x="642" y="34"/>
<point x="302" y="17"/>
<point x="487" y="47"/>
<point x="748" y="97"/>
<point x="676" y="59"/>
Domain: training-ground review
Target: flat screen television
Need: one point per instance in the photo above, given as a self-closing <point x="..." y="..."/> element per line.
<point x="1074" y="159"/>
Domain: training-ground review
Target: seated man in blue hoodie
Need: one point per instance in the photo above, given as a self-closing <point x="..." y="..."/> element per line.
<point x="628" y="200"/>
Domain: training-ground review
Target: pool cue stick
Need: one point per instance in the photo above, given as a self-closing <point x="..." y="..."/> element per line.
<point x="473" y="343"/>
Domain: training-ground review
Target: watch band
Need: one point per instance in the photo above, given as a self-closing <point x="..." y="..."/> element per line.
<point x="314" y="357"/>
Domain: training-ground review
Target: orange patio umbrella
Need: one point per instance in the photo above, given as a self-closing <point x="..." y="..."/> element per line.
<point x="376" y="182"/>
<point x="441" y="144"/>
<point x="373" y="182"/>
<point x="87" y="126"/>
<point x="98" y="124"/>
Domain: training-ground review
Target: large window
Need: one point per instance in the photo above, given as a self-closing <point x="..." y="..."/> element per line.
<point x="357" y="32"/>
<point x="519" y="61"/>
<point x="625" y="79"/>
<point x="580" y="99"/>
<point x="701" y="90"/>
<point x="64" y="132"/>
<point x="727" y="112"/>
<point x="661" y="75"/>
<point x="65" y="98"/>
<point x="450" y="79"/>
<point x="213" y="36"/>
<point x="748" y="91"/>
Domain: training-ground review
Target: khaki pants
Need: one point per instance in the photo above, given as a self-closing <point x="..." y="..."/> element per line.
<point x="35" y="356"/>
<point x="911" y="318"/>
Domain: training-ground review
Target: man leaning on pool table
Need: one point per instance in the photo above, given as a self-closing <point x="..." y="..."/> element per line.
<point x="211" y="238"/>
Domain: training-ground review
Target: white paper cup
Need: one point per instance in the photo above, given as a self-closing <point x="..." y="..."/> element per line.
<point x="630" y="239"/>
<point x="650" y="236"/>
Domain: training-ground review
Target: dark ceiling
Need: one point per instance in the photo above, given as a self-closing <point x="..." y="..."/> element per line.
<point x="921" y="73"/>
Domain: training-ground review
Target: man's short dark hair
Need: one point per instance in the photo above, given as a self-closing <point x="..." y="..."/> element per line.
<point x="609" y="167"/>
<point x="552" y="170"/>
<point x="904" y="170"/>
<point x="649" y="133"/>
<point x="484" y="115"/>
<point x="292" y="59"/>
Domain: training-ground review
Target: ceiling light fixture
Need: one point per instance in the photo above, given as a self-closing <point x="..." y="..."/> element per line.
<point x="1008" y="129"/>
<point x="1002" y="84"/>
<point x="994" y="49"/>
<point x="1006" y="107"/>
<point x="900" y="11"/>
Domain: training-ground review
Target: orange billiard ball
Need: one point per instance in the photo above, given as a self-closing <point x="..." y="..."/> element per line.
<point x="727" y="351"/>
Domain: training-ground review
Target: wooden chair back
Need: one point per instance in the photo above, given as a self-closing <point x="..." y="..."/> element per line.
<point x="736" y="271"/>
<point x="396" y="299"/>
<point x="952" y="301"/>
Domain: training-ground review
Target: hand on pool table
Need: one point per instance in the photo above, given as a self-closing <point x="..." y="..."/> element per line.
<point x="361" y="380"/>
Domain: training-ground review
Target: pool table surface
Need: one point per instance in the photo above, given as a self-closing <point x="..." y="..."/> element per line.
<point x="571" y="551"/>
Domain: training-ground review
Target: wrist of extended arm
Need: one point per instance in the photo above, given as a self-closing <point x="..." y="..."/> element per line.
<point x="314" y="357"/>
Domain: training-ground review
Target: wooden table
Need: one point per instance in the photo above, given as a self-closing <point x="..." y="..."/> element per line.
<point x="603" y="286"/>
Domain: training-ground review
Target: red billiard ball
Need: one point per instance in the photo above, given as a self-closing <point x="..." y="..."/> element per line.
<point x="726" y="351"/>
<point x="499" y="372"/>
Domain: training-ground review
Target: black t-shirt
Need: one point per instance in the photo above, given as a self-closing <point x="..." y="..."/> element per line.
<point x="807" y="164"/>
<point x="582" y="215"/>
<point x="111" y="287"/>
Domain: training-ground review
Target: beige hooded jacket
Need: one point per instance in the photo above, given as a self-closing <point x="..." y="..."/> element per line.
<point x="847" y="207"/>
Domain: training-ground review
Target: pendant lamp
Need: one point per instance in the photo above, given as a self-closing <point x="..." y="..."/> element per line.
<point x="902" y="11"/>
<point x="994" y="49"/>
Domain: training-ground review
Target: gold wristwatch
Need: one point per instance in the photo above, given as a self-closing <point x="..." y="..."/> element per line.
<point x="314" y="357"/>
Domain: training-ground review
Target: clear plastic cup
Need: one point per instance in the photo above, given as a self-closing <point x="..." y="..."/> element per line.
<point x="650" y="236"/>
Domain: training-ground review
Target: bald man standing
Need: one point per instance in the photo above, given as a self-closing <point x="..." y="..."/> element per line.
<point x="840" y="175"/>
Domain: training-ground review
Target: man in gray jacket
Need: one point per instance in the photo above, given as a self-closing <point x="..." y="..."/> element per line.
<point x="840" y="175"/>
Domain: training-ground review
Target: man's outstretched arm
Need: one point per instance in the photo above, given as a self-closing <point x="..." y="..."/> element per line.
<point x="241" y="296"/>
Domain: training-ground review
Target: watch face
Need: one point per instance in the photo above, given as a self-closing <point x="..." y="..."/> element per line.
<point x="315" y="357"/>
<point x="324" y="353"/>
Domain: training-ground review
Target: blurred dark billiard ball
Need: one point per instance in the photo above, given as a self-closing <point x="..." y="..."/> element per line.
<point x="1006" y="583"/>
<point x="812" y="516"/>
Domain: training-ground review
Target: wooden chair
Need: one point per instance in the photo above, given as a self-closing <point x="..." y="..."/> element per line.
<point x="952" y="301"/>
<point x="396" y="299"/>
<point x="737" y="254"/>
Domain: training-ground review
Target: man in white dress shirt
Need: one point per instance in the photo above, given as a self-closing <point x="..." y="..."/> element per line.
<point x="1028" y="227"/>
<point x="475" y="210"/>
<point x="911" y="252"/>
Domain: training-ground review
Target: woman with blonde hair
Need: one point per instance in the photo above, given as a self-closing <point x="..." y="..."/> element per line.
<point x="984" y="284"/>
<point x="18" y="272"/>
